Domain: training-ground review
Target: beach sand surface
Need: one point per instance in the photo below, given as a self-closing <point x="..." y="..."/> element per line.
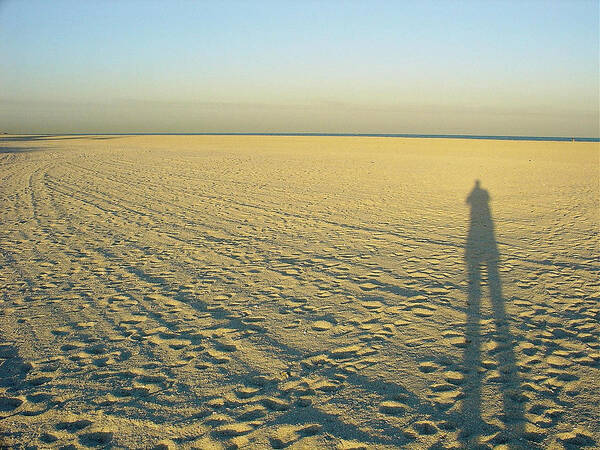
<point x="298" y="292"/>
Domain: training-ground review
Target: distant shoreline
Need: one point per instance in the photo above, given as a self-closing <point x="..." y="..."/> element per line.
<point x="393" y="135"/>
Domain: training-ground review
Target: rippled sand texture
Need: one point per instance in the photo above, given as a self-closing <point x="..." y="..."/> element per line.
<point x="300" y="292"/>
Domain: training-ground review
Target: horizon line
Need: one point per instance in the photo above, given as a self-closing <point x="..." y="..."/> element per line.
<point x="317" y="134"/>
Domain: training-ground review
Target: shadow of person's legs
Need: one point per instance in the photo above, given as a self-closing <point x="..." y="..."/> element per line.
<point x="471" y="407"/>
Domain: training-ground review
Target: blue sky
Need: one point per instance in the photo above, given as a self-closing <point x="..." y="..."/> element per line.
<point x="480" y="67"/>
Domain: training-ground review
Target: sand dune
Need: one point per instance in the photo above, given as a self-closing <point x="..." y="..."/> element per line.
<point x="298" y="292"/>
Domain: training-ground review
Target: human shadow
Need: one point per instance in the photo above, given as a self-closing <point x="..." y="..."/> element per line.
<point x="481" y="253"/>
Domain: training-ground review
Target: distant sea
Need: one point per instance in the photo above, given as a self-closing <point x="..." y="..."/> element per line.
<point x="401" y="135"/>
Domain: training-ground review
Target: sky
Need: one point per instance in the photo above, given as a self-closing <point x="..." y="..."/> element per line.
<point x="528" y="68"/>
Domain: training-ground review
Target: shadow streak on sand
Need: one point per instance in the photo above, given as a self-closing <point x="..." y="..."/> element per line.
<point x="33" y="140"/>
<point x="55" y="137"/>
<point x="13" y="371"/>
<point x="20" y="149"/>
<point x="481" y="250"/>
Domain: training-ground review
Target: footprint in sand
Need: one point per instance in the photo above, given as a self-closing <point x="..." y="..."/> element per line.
<point x="321" y="325"/>
<point x="39" y="380"/>
<point x="392" y="407"/>
<point x="351" y="445"/>
<point x="454" y="377"/>
<point x="48" y="438"/>
<point x="428" y="367"/>
<point x="233" y="429"/>
<point x="252" y="412"/>
<point x="9" y="404"/>
<point x="247" y="392"/>
<point x="62" y="331"/>
<point x="368" y="286"/>
<point x="372" y="305"/>
<point x="275" y="404"/>
<point x="73" y="426"/>
<point x="425" y="427"/>
<point x="285" y="435"/>
<point x="95" y="438"/>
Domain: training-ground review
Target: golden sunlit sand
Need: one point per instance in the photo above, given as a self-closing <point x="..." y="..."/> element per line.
<point x="298" y="292"/>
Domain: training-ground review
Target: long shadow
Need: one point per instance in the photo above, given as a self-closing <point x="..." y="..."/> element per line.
<point x="481" y="252"/>
<point x="53" y="137"/>
<point x="24" y="138"/>
<point x="13" y="371"/>
<point x="20" y="149"/>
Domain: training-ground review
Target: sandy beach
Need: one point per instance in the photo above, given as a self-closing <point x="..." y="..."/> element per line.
<point x="298" y="292"/>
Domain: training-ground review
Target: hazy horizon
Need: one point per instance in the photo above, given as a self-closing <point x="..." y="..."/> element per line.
<point x="494" y="68"/>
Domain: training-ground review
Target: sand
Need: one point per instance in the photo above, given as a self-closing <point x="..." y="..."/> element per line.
<point x="298" y="292"/>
